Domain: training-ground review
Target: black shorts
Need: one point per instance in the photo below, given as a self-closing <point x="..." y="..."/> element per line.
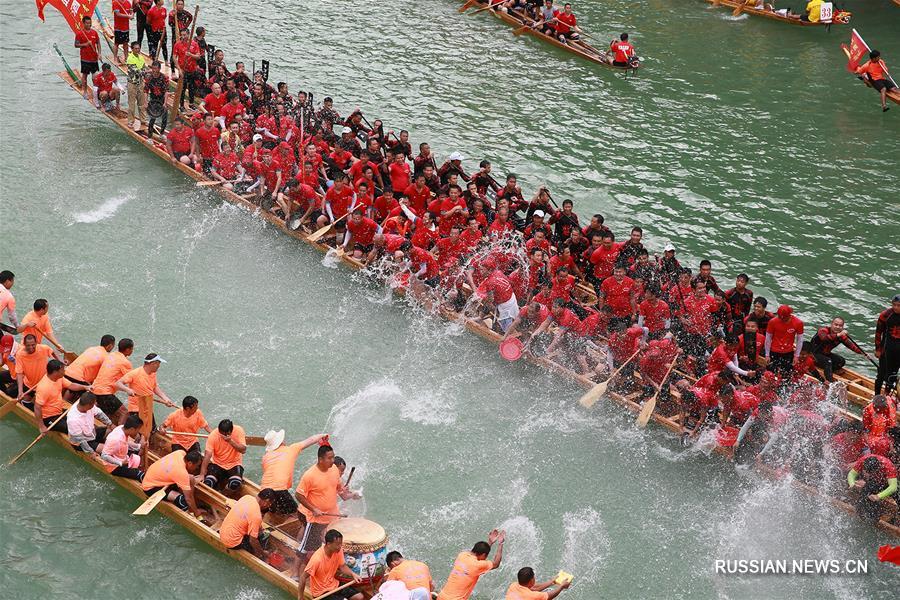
<point x="180" y="501"/>
<point x="365" y="249"/>
<point x="121" y="37"/>
<point x="284" y="503"/>
<point x="78" y="381"/>
<point x="93" y="445"/>
<point x="194" y="446"/>
<point x="244" y="545"/>
<point x="217" y="477"/>
<point x="109" y="404"/>
<point x="882" y="84"/>
<point x="88" y="67"/>
<point x="128" y="473"/>
<point x="618" y="63"/>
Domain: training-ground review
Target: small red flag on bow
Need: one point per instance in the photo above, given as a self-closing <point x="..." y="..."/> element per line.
<point x="72" y="10"/>
<point x="856" y="51"/>
<point x="889" y="554"/>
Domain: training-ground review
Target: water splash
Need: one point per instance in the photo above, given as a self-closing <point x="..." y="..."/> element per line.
<point x="104" y="211"/>
<point x="586" y="546"/>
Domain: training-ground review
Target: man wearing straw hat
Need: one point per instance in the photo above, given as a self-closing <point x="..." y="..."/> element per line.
<point x="278" y="468"/>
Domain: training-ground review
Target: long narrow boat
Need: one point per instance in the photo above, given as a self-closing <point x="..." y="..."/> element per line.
<point x="282" y="540"/>
<point x="839" y="19"/>
<point x="581" y="48"/>
<point x="476" y="326"/>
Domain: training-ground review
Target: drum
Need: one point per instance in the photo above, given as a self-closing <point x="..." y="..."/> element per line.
<point x="365" y="548"/>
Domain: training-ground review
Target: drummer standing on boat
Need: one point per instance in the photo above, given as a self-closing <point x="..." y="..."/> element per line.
<point x="317" y="494"/>
<point x="470" y="566"/>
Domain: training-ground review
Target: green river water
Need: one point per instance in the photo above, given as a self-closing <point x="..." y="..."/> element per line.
<point x="743" y="141"/>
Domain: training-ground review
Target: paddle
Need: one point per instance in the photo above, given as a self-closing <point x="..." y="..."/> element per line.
<point x="488" y="7"/>
<point x="469" y="4"/>
<point x="739" y="9"/>
<point x="150" y="503"/>
<point x="590" y="398"/>
<point x="314" y="237"/>
<point x="866" y="354"/>
<point x="39" y="437"/>
<point x="251" y="440"/>
<point x="9" y="329"/>
<point x="330" y="592"/>
<point x="650" y="405"/>
<point x="69" y="356"/>
<point x="214" y="183"/>
<point x="7" y="408"/>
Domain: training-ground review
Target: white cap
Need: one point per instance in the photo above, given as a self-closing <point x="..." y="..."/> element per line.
<point x="346" y="130"/>
<point x="274" y="439"/>
<point x="669" y="248"/>
<point x="257" y="137"/>
<point x="456" y="156"/>
<point x="538" y="213"/>
<point x="392" y="590"/>
<point x="152" y="358"/>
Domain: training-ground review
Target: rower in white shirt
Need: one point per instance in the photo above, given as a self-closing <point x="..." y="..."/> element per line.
<point x="83" y="433"/>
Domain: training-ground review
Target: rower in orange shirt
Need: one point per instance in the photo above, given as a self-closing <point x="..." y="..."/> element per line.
<point x="414" y="574"/>
<point x="876" y="72"/>
<point x="278" y="468"/>
<point x="31" y="365"/>
<point x="114" y="367"/>
<point x="83" y="370"/>
<point x="241" y="528"/>
<point x="223" y="461"/>
<point x="470" y="566"/>
<point x="48" y="401"/>
<point x="321" y="569"/>
<point x="526" y="588"/>
<point x="37" y="323"/>
<point x="317" y="494"/>
<point x="175" y="472"/>
<point x="188" y="419"/>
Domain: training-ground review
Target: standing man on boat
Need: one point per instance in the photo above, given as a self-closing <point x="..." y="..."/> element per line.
<point x="887" y="343"/>
<point x="470" y="566"/>
<point x="122" y="12"/>
<point x="142" y="389"/>
<point x="141" y="7"/>
<point x="137" y="103"/>
<point x="317" y="494"/>
<point x="184" y="24"/>
<point x="876" y="72"/>
<point x="7" y="300"/>
<point x="784" y="340"/>
<point x="278" y="468"/>
<point x="527" y="588"/>
<point x="88" y="43"/>
<point x="113" y="368"/>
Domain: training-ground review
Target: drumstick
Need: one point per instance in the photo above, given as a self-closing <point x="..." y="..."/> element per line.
<point x="350" y="476"/>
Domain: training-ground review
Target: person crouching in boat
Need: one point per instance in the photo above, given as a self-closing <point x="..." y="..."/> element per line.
<point x="226" y="167"/>
<point x="123" y="449"/>
<point x="874" y="479"/>
<point x="339" y="200"/>
<point x="241" y="528"/>
<point x="622" y="52"/>
<point x="180" y="143"/>
<point x="875" y="72"/>
<point x="84" y="435"/>
<point x="322" y="568"/>
<point x="175" y="472"/>
<point x="107" y="91"/>
<point x="361" y="232"/>
<point x="224" y="457"/>
<point x="497" y="290"/>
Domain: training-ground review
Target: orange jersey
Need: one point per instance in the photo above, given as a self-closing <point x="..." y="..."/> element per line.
<point x="223" y="453"/>
<point x="321" y="569"/>
<point x="520" y="592"/>
<point x="875" y="70"/>
<point x="412" y="573"/>
<point x="33" y="366"/>
<point x="177" y="421"/>
<point x="42" y="326"/>
<point x="463" y="577"/>
<point x="168" y="470"/>
<point x="114" y="367"/>
<point x="278" y="467"/>
<point x="141" y="383"/>
<point x="48" y="395"/>
<point x="321" y="490"/>
<point x="244" y="518"/>
<point x="87" y="365"/>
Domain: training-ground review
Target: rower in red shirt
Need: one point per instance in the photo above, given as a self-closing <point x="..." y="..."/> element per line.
<point x="185" y="53"/>
<point x="618" y="294"/>
<point x="879" y="416"/>
<point x="339" y="200"/>
<point x="454" y="210"/>
<point x="497" y="290"/>
<point x="751" y="345"/>
<point x="107" y="90"/>
<point x="529" y="318"/>
<point x="88" y="42"/>
<point x="471" y="235"/>
<point x="179" y="142"/>
<point x="448" y="251"/>
<point x="214" y="102"/>
<point x="725" y="356"/>
<point x="207" y="136"/>
<point x="570" y="330"/>
<point x="604" y="257"/>
<point x="226" y="167"/>
<point x="361" y="231"/>
<point x="156" y="26"/>
<point x="566" y="25"/>
<point x="653" y="315"/>
<point x="418" y="195"/>
<point x="233" y="107"/>
<point x="784" y="340"/>
<point x="622" y="51"/>
<point x="501" y="225"/>
<point x="698" y="319"/>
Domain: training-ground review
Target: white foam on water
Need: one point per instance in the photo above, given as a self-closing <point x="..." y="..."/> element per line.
<point x="585" y="547"/>
<point x="104" y="211"/>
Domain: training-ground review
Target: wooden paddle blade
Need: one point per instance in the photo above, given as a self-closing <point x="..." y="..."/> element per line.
<point x="469" y="4"/>
<point x="70" y="357"/>
<point x="22" y="453"/>
<point x="646" y="412"/>
<point x="208" y="183"/>
<point x="255" y="440"/>
<point x="314" y="237"/>
<point x="7" y="408"/>
<point x="738" y="10"/>
<point x="594" y="394"/>
<point x="150" y="503"/>
<point x="520" y="30"/>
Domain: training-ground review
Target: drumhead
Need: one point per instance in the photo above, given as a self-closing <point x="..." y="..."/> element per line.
<point x="360" y="534"/>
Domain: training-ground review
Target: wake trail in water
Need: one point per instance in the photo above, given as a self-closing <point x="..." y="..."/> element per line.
<point x="102" y="212"/>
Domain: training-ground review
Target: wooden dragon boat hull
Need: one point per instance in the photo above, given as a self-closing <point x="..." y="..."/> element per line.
<point x="587" y="52"/>
<point x="476" y="326"/>
<point x="768" y="14"/>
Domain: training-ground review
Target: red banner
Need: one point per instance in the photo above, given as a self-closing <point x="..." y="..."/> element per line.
<point x="72" y="10"/>
<point x="889" y="554"/>
<point x="856" y="51"/>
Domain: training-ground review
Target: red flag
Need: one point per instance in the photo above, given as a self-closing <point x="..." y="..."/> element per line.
<point x="858" y="48"/>
<point x="889" y="554"/>
<point x="72" y="10"/>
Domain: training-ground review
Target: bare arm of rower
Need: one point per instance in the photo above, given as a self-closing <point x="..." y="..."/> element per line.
<point x="301" y="585"/>
<point x="768" y="344"/>
<point x="157" y="391"/>
<point x="319" y="438"/>
<point x="20" y="381"/>
<point x="798" y="345"/>
<point x="498" y="556"/>
<point x="189" y="497"/>
<point x="39" y="417"/>
<point x="207" y="456"/>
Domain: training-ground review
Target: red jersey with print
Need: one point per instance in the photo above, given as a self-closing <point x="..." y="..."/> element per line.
<point x="208" y="140"/>
<point x="181" y="139"/>
<point x="121" y="22"/>
<point x="655" y="315"/>
<point x="498" y="283"/>
<point x="340" y="200"/>
<point x="783" y="333"/>
<point x="89" y="52"/>
<point x="104" y="80"/>
<point x="363" y="232"/>
<point x="618" y="295"/>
